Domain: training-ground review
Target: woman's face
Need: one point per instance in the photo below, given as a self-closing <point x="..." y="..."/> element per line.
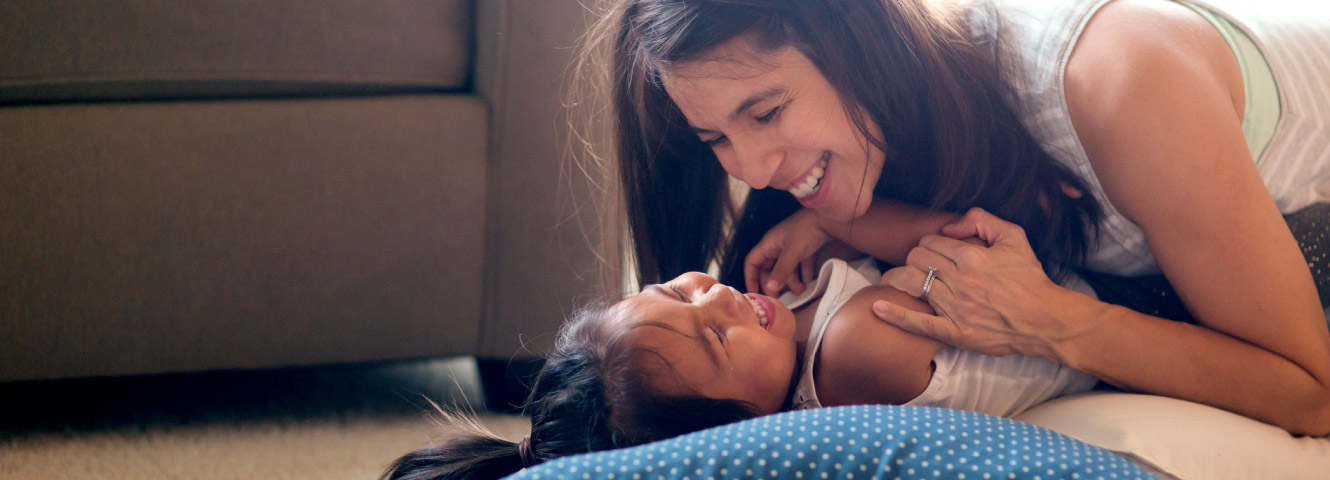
<point x="774" y="121"/>
<point x="718" y="342"/>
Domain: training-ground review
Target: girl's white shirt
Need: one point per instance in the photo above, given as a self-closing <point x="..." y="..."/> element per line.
<point x="1003" y="386"/>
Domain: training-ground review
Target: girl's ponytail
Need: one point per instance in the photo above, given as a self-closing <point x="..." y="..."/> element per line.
<point x="470" y="452"/>
<point x="591" y="395"/>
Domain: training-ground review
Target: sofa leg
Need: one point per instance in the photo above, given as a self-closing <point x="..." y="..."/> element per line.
<point x="507" y="382"/>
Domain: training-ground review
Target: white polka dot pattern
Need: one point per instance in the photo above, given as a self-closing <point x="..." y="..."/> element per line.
<point x="859" y="442"/>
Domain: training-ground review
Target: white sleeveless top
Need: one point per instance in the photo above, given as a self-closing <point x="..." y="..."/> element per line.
<point x="1003" y="386"/>
<point x="1035" y="39"/>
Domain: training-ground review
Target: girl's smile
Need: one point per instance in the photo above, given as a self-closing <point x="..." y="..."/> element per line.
<point x="718" y="343"/>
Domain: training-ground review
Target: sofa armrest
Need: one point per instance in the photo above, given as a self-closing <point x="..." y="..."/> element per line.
<point x="538" y="262"/>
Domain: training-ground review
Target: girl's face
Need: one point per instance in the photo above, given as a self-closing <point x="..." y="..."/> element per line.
<point x="774" y="121"/>
<point x="718" y="342"/>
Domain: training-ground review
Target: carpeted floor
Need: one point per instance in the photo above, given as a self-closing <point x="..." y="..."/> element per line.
<point x="338" y="422"/>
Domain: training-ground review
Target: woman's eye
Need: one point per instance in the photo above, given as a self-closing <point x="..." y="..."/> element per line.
<point x="682" y="297"/>
<point x="769" y="116"/>
<point x="716" y="141"/>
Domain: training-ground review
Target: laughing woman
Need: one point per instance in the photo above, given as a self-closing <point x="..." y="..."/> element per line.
<point x="1124" y="137"/>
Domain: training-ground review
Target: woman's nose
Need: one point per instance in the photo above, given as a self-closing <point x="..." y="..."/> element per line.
<point x="753" y="162"/>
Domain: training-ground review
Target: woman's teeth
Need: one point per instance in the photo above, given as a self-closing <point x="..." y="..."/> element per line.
<point x="810" y="183"/>
<point x="762" y="319"/>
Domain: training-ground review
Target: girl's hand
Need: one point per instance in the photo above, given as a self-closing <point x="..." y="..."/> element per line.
<point x="789" y="245"/>
<point x="993" y="299"/>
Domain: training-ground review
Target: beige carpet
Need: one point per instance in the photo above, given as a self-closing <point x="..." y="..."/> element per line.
<point x="313" y="423"/>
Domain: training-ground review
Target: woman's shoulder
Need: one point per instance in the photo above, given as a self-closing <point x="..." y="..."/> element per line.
<point x="1137" y="65"/>
<point x="1130" y="45"/>
<point x="865" y="360"/>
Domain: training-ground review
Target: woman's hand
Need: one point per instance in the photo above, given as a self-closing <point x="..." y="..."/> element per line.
<point x="789" y="245"/>
<point x="993" y="298"/>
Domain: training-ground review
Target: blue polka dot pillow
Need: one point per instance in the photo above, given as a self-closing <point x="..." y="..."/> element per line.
<point x="864" y="442"/>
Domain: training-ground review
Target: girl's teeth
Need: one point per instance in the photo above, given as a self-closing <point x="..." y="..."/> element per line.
<point x="761" y="312"/>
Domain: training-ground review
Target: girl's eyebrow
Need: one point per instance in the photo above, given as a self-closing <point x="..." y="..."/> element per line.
<point x="699" y="332"/>
<point x="664" y="291"/>
<point x="700" y="335"/>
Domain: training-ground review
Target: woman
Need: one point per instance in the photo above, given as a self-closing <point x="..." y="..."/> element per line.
<point x="1086" y="133"/>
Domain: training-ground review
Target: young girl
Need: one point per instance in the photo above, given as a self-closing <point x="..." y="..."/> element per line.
<point x="692" y="353"/>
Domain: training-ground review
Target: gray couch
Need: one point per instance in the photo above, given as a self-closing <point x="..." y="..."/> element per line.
<point x="219" y="184"/>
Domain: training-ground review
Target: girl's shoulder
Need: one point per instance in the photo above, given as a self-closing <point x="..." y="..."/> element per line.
<point x="863" y="360"/>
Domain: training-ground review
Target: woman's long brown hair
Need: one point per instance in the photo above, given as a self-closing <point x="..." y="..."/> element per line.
<point x="952" y="139"/>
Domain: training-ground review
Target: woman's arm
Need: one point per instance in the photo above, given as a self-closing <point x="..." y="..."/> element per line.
<point x="1153" y="96"/>
<point x="886" y="231"/>
<point x="1165" y="139"/>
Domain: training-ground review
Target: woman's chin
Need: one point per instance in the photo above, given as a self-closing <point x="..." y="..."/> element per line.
<point x="840" y="213"/>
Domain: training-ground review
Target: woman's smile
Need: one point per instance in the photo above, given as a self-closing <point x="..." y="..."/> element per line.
<point x="773" y="120"/>
<point x="811" y="181"/>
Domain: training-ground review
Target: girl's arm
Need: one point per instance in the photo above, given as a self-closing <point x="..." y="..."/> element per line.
<point x="1155" y="97"/>
<point x="866" y="361"/>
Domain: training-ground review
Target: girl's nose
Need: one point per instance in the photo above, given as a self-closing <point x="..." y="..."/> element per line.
<point x="697" y="281"/>
<point x="723" y="298"/>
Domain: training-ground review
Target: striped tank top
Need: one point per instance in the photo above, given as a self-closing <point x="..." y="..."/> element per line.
<point x="1034" y="40"/>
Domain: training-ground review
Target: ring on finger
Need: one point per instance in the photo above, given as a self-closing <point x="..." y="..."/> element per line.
<point x="928" y="283"/>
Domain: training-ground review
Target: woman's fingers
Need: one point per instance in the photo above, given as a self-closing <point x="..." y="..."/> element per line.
<point x="755" y="267"/>
<point x="924" y="258"/>
<point x="783" y="273"/>
<point x="911" y="280"/>
<point x="984" y="284"/>
<point x="979" y="223"/>
<point x="808" y="268"/>
<point x="918" y="323"/>
<point x="768" y="269"/>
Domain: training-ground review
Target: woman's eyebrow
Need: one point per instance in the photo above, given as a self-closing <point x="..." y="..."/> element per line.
<point x="755" y="99"/>
<point x="746" y="104"/>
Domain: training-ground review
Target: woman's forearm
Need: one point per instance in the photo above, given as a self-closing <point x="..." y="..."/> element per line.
<point x="888" y="230"/>
<point x="1142" y="353"/>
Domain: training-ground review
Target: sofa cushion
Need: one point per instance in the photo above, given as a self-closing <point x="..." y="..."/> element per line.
<point x="180" y="236"/>
<point x="88" y="49"/>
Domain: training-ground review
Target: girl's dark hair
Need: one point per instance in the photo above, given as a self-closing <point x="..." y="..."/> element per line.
<point x="591" y="395"/>
<point x="952" y="140"/>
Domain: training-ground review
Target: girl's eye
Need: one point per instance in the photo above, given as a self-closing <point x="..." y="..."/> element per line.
<point x="720" y="335"/>
<point x="769" y="116"/>
<point x="678" y="292"/>
<point x="716" y="141"/>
